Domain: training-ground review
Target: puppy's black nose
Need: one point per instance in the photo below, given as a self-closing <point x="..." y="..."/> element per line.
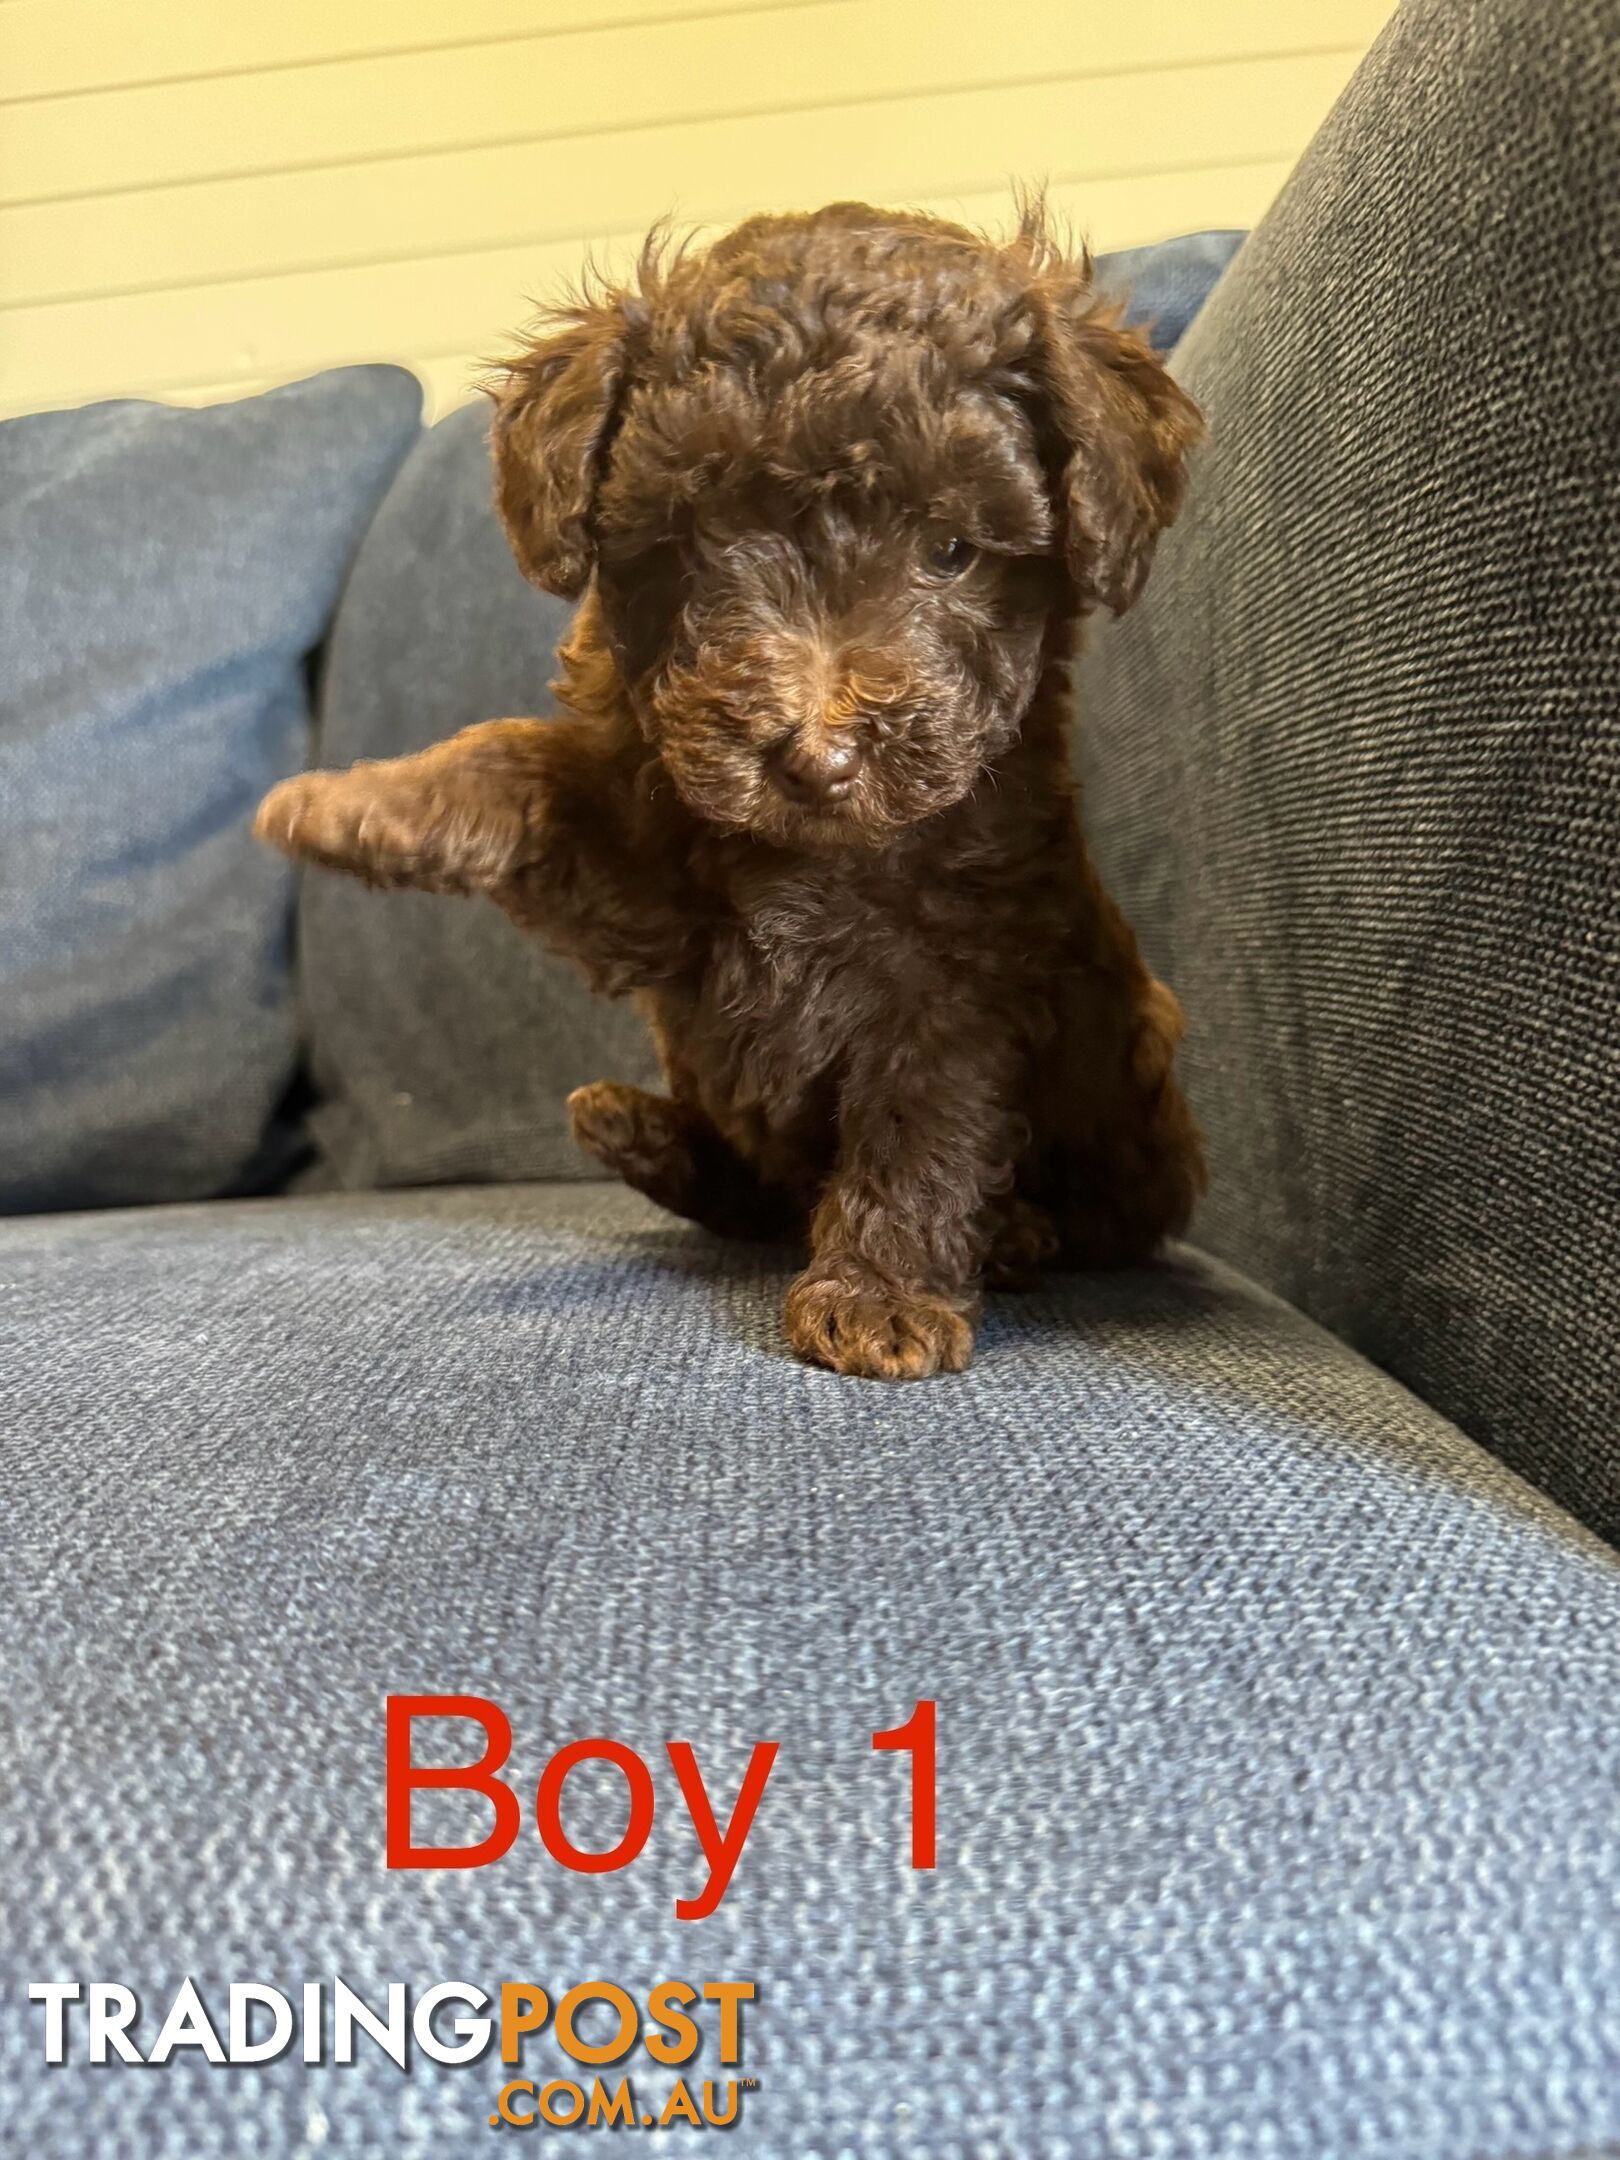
<point x="818" y="773"/>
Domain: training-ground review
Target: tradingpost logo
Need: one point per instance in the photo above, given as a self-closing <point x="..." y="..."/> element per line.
<point x="598" y="2056"/>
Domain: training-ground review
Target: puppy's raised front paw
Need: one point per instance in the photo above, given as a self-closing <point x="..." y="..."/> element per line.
<point x="858" y="1325"/>
<point x="341" y="821"/>
<point x="461" y="817"/>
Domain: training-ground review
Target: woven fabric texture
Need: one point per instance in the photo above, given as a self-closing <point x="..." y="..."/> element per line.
<point x="1278" y="1755"/>
<point x="1353" y="766"/>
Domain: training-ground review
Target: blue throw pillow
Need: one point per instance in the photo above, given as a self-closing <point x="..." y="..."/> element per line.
<point x="164" y="575"/>
<point x="1164" y="286"/>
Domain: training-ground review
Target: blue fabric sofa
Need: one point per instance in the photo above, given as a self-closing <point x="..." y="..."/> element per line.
<point x="1269" y="1597"/>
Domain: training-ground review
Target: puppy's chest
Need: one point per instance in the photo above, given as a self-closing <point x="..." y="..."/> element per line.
<point x="792" y="965"/>
<point x="801" y="964"/>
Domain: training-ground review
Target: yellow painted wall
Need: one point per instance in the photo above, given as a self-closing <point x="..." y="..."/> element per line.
<point x="199" y="197"/>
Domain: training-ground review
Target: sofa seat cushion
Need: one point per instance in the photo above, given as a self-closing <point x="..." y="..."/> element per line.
<point x="1278" y="1745"/>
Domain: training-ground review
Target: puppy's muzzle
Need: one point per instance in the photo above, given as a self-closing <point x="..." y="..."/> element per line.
<point x="815" y="773"/>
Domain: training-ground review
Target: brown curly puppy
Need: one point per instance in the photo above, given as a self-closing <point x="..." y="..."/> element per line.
<point x="834" y="493"/>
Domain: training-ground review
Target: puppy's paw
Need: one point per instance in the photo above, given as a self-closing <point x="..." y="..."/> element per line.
<point x="342" y="821"/>
<point x="640" y="1137"/>
<point x="461" y="817"/>
<point x="1023" y="1240"/>
<point x="857" y="1324"/>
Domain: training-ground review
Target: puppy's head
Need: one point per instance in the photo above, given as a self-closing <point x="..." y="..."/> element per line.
<point x="832" y="480"/>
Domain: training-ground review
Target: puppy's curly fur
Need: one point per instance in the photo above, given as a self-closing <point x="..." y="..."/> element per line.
<point x="833" y="495"/>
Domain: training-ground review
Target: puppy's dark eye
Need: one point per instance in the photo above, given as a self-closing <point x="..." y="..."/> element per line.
<point x="949" y="557"/>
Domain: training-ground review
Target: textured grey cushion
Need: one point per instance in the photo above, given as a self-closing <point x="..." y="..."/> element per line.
<point x="1279" y="1752"/>
<point x="442" y="1044"/>
<point x="163" y="576"/>
<point x="1354" y="764"/>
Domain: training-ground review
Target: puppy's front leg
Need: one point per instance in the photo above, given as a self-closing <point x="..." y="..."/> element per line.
<point x="925" y="1135"/>
<point x="459" y="818"/>
<point x="538" y="815"/>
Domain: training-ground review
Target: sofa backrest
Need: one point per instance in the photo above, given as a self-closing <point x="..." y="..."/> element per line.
<point x="1353" y="766"/>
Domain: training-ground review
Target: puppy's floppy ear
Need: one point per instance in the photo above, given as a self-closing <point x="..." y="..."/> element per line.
<point x="459" y="818"/>
<point x="1122" y="429"/>
<point x="554" y="411"/>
